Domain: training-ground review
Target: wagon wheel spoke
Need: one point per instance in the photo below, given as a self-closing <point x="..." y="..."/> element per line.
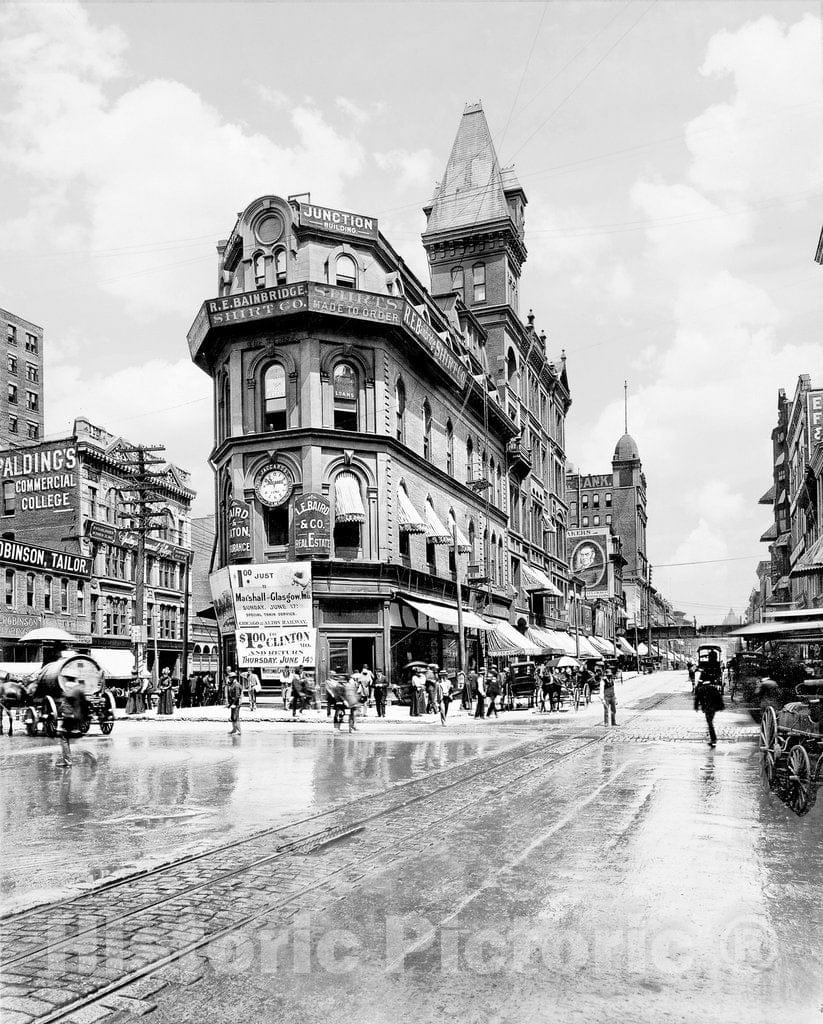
<point x="799" y="780"/>
<point x="769" y="744"/>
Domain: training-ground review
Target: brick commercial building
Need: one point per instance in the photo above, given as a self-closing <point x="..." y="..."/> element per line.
<point x="68" y="555"/>
<point x="362" y="421"/>
<point x="21" y="417"/>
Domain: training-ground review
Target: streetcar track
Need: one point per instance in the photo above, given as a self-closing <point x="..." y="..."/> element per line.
<point x="315" y="842"/>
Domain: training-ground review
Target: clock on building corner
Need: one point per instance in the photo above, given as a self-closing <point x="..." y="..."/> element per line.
<point x="273" y="486"/>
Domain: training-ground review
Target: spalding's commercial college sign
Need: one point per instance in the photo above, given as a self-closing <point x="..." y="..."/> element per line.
<point x="45" y="478"/>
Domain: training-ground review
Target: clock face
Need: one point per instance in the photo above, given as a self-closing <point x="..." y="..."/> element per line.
<point x="274" y="486"/>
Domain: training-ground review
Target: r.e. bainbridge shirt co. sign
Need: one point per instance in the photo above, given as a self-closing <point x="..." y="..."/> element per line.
<point x="304" y="296"/>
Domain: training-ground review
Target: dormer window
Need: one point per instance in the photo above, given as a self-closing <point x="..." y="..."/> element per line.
<point x="345" y="271"/>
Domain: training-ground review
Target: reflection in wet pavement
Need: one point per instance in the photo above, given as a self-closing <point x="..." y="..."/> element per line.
<point x="147" y="796"/>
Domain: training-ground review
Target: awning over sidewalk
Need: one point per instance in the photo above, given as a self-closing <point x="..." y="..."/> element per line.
<point x="812" y="561"/>
<point x="642" y="650"/>
<point x="446" y="614"/>
<point x="625" y="646"/>
<point x="588" y="650"/>
<point x="549" y="639"/>
<point x="795" y="629"/>
<point x="536" y="579"/>
<point x="115" y="662"/>
<point x="603" y="645"/>
<point x="506" y="640"/>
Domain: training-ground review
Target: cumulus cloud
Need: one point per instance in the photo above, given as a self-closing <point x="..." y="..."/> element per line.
<point x="413" y="167"/>
<point x="149" y="163"/>
<point x="358" y="114"/>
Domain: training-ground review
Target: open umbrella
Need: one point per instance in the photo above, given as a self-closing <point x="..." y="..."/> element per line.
<point x="48" y="635"/>
<point x="565" y="661"/>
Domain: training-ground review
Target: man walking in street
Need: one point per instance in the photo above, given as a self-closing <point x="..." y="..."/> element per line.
<point x="379" y="688"/>
<point x="608" y="698"/>
<point x="492" y="692"/>
<point x="708" y="699"/>
<point x="481" y="695"/>
<point x="234" y="695"/>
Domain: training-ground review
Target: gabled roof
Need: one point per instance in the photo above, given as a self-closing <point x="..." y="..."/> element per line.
<point x="472" y="189"/>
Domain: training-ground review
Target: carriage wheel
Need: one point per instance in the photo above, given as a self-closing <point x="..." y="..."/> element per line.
<point x="799" y="780"/>
<point x="578" y="696"/>
<point x="768" y="743"/>
<point x="49" y="717"/>
<point x="106" y="716"/>
<point x="587" y="693"/>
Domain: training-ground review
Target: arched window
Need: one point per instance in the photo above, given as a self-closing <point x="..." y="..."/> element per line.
<point x="469" y="461"/>
<point x="501" y="496"/>
<point x="472" y="539"/>
<point x="349" y="517"/>
<point x="345" y="397"/>
<point x="492" y="481"/>
<point x="427" y="431"/>
<point x="274" y="388"/>
<point x="400" y="409"/>
<point x="224" y="410"/>
<point x="449" y="448"/>
<point x="457" y="282"/>
<point x="280" y="272"/>
<point x="259" y="266"/>
<point x="511" y="364"/>
<point x="64" y="596"/>
<point x="501" y="576"/>
<point x="47" y="593"/>
<point x="484" y="552"/>
<point x="484" y="466"/>
<point x="479" y="282"/>
<point x="29" y="589"/>
<point x="345" y="271"/>
<point x="493" y="560"/>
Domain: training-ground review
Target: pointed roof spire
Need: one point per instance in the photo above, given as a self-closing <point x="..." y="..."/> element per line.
<point x="472" y="190"/>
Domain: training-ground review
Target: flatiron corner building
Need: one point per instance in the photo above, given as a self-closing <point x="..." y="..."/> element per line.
<point x="364" y="421"/>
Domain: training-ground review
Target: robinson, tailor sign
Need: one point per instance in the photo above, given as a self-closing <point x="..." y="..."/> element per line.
<point x="27" y="555"/>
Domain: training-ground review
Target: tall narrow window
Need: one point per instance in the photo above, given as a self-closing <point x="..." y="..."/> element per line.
<point x="472" y="544"/>
<point x="400" y="410"/>
<point x="259" y="264"/>
<point x="9" y="587"/>
<point x="449" y="448"/>
<point x="469" y="461"/>
<point x="479" y="282"/>
<point x="427" y="431"/>
<point x="224" y="411"/>
<point x="81" y="597"/>
<point x="9" y="498"/>
<point x="64" y="596"/>
<point x="29" y="589"/>
<point x="500" y="573"/>
<point x="492" y="481"/>
<point x="457" y="282"/>
<point x="47" y="594"/>
<point x="280" y="273"/>
<point x="345" y="271"/>
<point x="493" y="560"/>
<point x="345" y="397"/>
<point x="277" y="525"/>
<point x="274" y="384"/>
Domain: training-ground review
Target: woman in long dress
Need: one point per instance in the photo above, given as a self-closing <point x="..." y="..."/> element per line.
<point x="165" y="705"/>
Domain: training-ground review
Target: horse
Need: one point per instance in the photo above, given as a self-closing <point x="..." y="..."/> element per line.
<point x="13" y="694"/>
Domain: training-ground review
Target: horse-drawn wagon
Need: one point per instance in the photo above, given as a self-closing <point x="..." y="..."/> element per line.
<point x="791" y="747"/>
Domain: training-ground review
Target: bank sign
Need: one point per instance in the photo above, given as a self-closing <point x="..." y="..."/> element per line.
<point x="45" y="478"/>
<point x="30" y="557"/>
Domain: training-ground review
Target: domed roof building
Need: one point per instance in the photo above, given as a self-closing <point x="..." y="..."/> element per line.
<point x="626" y="450"/>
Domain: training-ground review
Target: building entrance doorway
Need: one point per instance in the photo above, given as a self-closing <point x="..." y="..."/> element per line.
<point x="350" y="654"/>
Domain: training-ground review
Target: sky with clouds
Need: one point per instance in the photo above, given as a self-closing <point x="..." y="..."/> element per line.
<point x="672" y="154"/>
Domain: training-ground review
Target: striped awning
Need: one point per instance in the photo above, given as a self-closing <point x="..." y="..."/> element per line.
<point x="812" y="561"/>
<point x="446" y="615"/>
<point x="505" y="640"/>
<point x="536" y="579"/>
<point x="410" y="519"/>
<point x="625" y="646"/>
<point x="603" y="645"/>
<point x="348" y="504"/>
<point x="587" y="649"/>
<point x="436" y="532"/>
<point x="548" y="639"/>
<point x="463" y="545"/>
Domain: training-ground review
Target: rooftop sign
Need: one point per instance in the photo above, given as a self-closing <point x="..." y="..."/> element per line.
<point x="814" y="419"/>
<point x="45" y="479"/>
<point x="337" y="222"/>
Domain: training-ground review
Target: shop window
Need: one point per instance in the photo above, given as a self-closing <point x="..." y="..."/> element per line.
<point x="9" y="588"/>
<point x="427" y="431"/>
<point x="400" y="410"/>
<point x="274" y="388"/>
<point x="64" y="596"/>
<point x="276" y="522"/>
<point x="259" y="266"/>
<point x="346" y="540"/>
<point x="457" y="282"/>
<point x="345" y="397"/>
<point x="449" y="448"/>
<point x="280" y="267"/>
<point x="47" y="584"/>
<point x="345" y="271"/>
<point x="29" y="589"/>
<point x="479" y="282"/>
<point x="404" y="547"/>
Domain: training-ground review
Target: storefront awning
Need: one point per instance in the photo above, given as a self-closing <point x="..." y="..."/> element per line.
<point x="536" y="579"/>
<point x="446" y="614"/>
<point x="604" y="645"/>
<point x="625" y="646"/>
<point x="463" y="545"/>
<point x="587" y="649"/>
<point x="436" y="532"/>
<point x="567" y="642"/>
<point x="115" y="662"/>
<point x="506" y="640"/>
<point x="642" y="650"/>
<point x="812" y="561"/>
<point x="548" y="639"/>
<point x="794" y="629"/>
<point x="348" y="504"/>
<point x="410" y="519"/>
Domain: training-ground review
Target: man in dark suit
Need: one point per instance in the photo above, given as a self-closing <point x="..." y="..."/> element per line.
<point x="708" y="699"/>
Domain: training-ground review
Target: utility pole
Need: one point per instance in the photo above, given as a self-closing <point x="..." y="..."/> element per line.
<point x="139" y="506"/>
<point x="461" y="644"/>
<point x="649" y="610"/>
